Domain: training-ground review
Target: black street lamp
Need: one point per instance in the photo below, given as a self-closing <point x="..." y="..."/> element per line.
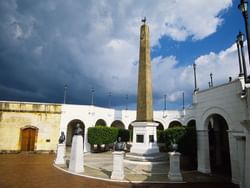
<point x="195" y="81"/>
<point x="243" y="6"/>
<point x="240" y="39"/>
<point x="211" y="80"/>
<point x="127" y="102"/>
<point x="65" y="93"/>
<point x="92" y="96"/>
<point x="110" y="99"/>
<point x="183" y="100"/>
<point x="165" y="102"/>
<point x="239" y="54"/>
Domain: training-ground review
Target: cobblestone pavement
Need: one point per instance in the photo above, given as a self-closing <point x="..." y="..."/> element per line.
<point x="36" y="171"/>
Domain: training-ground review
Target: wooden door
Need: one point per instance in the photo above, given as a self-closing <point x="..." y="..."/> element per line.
<point x="28" y="139"/>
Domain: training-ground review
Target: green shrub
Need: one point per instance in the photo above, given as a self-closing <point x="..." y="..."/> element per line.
<point x="173" y="135"/>
<point x="124" y="134"/>
<point x="102" y="135"/>
<point x="188" y="143"/>
<point x="160" y="136"/>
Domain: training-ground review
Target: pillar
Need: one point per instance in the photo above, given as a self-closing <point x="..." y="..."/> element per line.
<point x="203" y="151"/>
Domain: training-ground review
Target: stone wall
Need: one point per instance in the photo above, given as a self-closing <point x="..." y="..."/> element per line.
<point x="15" y="116"/>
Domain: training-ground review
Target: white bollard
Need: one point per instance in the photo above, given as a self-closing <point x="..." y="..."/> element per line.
<point x="76" y="155"/>
<point x="118" y="166"/>
<point x="174" y="173"/>
<point x="60" y="154"/>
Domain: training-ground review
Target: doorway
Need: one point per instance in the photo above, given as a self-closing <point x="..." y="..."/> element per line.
<point x="219" y="152"/>
<point x="28" y="138"/>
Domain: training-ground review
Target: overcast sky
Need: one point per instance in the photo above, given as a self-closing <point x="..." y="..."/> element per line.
<point x="82" y="43"/>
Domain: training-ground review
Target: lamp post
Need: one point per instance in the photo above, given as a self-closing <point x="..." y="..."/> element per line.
<point x="211" y="80"/>
<point x="165" y="102"/>
<point x="243" y="6"/>
<point x="183" y="100"/>
<point x="110" y="99"/>
<point x="239" y="54"/>
<point x="127" y="102"/>
<point x="195" y="81"/>
<point x="65" y="93"/>
<point x="240" y="39"/>
<point x="92" y="96"/>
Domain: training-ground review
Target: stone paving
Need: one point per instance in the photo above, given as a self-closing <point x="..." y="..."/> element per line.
<point x="26" y="170"/>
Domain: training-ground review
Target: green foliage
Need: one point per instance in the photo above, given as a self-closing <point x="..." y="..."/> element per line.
<point x="124" y="134"/>
<point x="102" y="135"/>
<point x="185" y="137"/>
<point x="188" y="143"/>
<point x="173" y="135"/>
<point x="160" y="136"/>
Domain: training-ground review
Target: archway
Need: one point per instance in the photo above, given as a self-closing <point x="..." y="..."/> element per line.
<point x="219" y="145"/>
<point x="174" y="124"/>
<point x="100" y="122"/>
<point x="71" y="129"/>
<point x="118" y="124"/>
<point x="160" y="126"/>
<point x="192" y="123"/>
<point x="28" y="138"/>
<point x="130" y="128"/>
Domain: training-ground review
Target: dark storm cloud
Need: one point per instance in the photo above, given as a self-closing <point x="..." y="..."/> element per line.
<point x="47" y="44"/>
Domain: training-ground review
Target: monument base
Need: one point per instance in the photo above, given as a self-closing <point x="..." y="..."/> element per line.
<point x="174" y="173"/>
<point x="118" y="166"/>
<point x="76" y="155"/>
<point x="60" y="154"/>
<point x="144" y="138"/>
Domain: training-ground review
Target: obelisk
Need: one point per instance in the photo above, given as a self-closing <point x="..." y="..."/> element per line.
<point x="144" y="92"/>
<point x="144" y="128"/>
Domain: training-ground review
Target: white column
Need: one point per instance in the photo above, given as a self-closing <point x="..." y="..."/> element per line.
<point x="246" y="125"/>
<point x="76" y="155"/>
<point x="118" y="166"/>
<point x="203" y="151"/>
<point x="240" y="151"/>
<point x="60" y="153"/>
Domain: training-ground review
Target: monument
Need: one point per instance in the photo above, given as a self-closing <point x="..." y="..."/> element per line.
<point x="144" y="128"/>
<point x="76" y="163"/>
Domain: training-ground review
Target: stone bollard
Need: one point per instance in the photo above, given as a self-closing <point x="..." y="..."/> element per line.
<point x="174" y="173"/>
<point x="60" y="154"/>
<point x="118" y="166"/>
<point x="76" y="155"/>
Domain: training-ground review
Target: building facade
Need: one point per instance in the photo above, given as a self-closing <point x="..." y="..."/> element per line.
<point x="221" y="115"/>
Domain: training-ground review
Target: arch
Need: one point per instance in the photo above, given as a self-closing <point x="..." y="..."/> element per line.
<point x="174" y="124"/>
<point x="160" y="126"/>
<point x="130" y="128"/>
<point x="118" y="124"/>
<point x="219" y="150"/>
<point x="71" y="129"/>
<point x="215" y="110"/>
<point x="191" y="123"/>
<point x="28" y="138"/>
<point x="100" y="122"/>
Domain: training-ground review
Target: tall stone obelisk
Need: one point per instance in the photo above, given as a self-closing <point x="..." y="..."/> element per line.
<point x="144" y="128"/>
<point x="144" y="92"/>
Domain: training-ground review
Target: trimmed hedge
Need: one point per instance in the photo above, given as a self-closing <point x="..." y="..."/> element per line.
<point x="124" y="134"/>
<point x="173" y="135"/>
<point x="185" y="137"/>
<point x="102" y="135"/>
<point x="160" y="136"/>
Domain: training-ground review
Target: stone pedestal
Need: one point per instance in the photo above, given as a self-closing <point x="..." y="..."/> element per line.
<point x="144" y="138"/>
<point x="76" y="155"/>
<point x="60" y="153"/>
<point x="174" y="173"/>
<point x="118" y="166"/>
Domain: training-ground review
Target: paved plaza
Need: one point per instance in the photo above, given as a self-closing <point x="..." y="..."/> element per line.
<point x="26" y="170"/>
